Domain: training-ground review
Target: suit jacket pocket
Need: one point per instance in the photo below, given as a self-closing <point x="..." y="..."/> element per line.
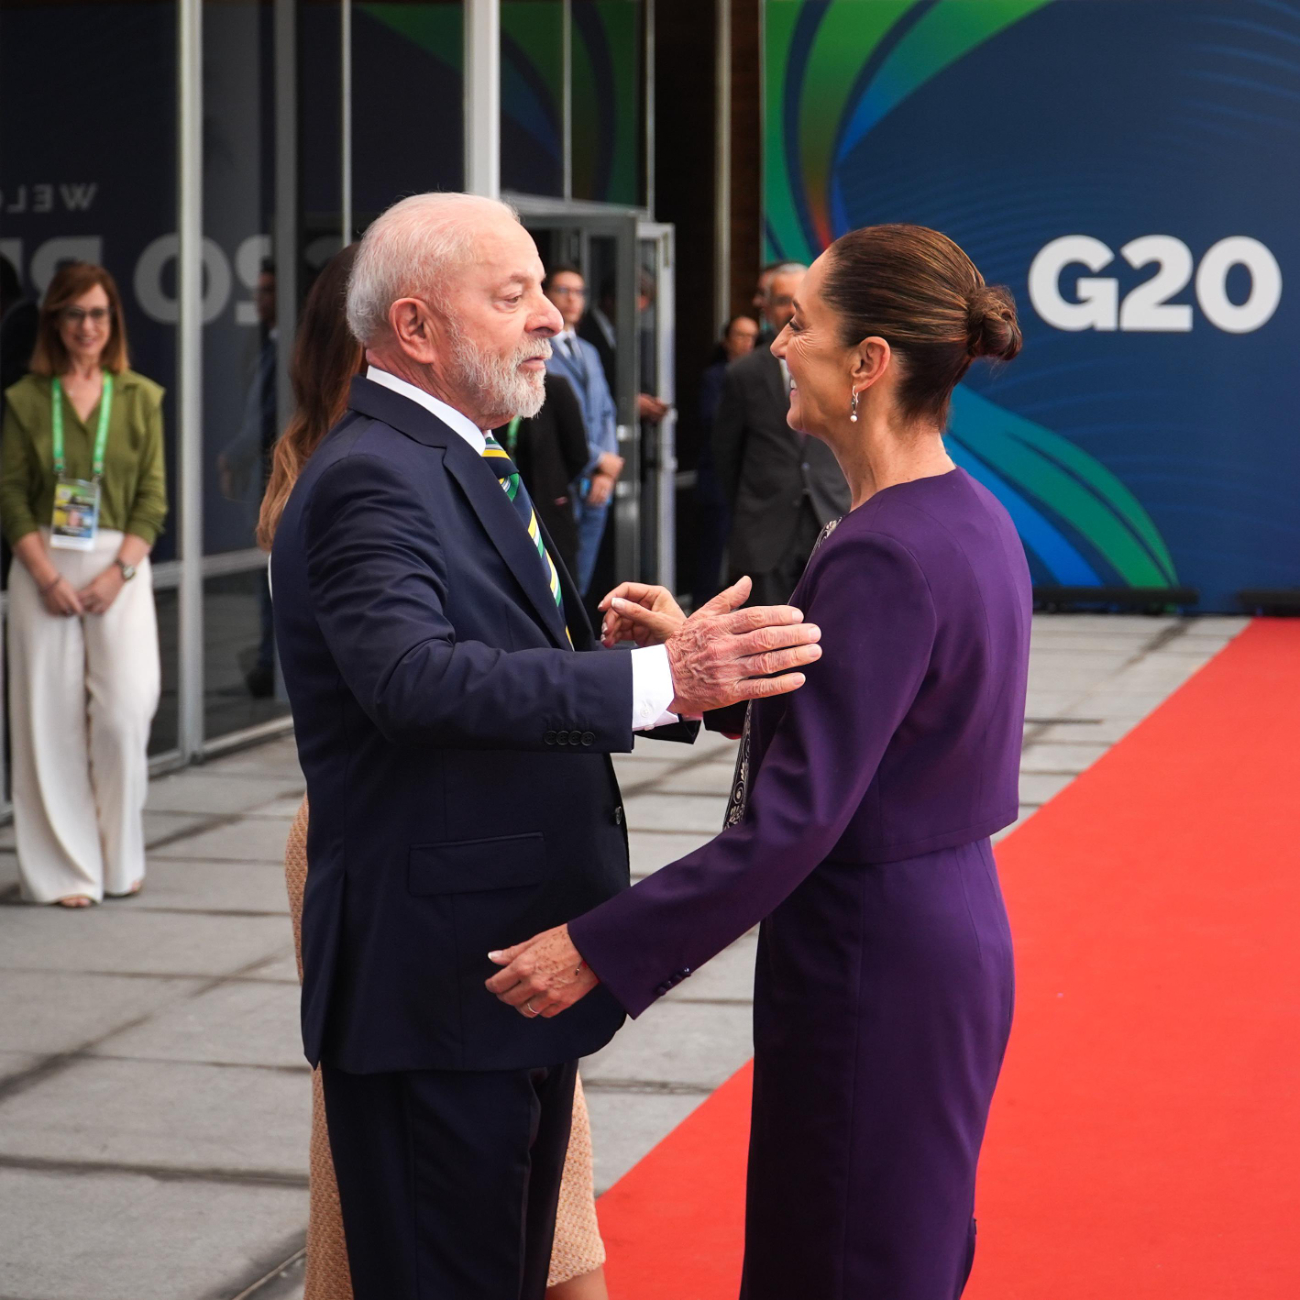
<point x="472" y="866"/>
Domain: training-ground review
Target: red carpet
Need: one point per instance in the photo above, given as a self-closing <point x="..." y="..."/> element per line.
<point x="1145" y="1141"/>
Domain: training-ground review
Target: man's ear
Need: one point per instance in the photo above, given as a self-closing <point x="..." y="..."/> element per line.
<point x="871" y="358"/>
<point x="412" y="324"/>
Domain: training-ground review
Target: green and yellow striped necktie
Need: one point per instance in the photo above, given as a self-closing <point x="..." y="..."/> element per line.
<point x="513" y="486"/>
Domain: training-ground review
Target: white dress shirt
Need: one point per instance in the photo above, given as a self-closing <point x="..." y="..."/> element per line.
<point x="652" y="679"/>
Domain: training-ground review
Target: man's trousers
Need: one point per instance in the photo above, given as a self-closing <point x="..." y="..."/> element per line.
<point x="449" y="1180"/>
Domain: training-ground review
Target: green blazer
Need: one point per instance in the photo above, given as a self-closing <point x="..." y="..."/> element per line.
<point x="134" y="484"/>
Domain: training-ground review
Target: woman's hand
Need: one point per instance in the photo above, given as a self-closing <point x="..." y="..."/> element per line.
<point x="98" y="596"/>
<point x="543" y="976"/>
<point x="61" y="599"/>
<point x="637" y="612"/>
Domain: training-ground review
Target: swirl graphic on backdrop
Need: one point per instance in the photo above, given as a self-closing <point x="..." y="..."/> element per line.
<point x="835" y="70"/>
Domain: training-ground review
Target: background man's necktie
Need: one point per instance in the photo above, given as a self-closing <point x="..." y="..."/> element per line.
<point x="513" y="486"/>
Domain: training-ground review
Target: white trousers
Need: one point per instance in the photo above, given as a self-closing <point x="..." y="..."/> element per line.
<point x="82" y="693"/>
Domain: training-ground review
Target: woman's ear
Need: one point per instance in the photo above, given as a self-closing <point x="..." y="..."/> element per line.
<point x="870" y="360"/>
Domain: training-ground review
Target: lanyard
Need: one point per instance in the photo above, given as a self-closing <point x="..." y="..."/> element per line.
<point x="101" y="436"/>
<point x="512" y="435"/>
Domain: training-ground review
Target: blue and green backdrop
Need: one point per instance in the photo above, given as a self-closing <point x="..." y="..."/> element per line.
<point x="1137" y="162"/>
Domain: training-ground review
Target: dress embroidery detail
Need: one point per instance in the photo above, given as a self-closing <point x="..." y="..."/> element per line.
<point x="739" y="801"/>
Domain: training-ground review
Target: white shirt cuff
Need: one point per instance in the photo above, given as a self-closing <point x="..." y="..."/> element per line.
<point x="652" y="688"/>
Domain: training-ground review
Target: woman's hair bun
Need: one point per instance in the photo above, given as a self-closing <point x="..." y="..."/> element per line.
<point x="993" y="330"/>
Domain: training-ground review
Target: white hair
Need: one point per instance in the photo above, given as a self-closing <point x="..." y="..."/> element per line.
<point x="410" y="251"/>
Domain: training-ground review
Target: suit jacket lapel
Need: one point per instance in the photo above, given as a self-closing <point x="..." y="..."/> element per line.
<point x="482" y="489"/>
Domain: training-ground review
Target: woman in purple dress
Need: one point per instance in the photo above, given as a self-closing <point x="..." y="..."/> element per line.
<point x="859" y="828"/>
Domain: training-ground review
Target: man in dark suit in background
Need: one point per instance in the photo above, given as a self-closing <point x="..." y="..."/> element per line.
<point x="783" y="486"/>
<point x="456" y="754"/>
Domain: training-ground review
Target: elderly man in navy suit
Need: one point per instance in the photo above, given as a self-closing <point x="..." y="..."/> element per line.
<point x="454" y="717"/>
<point x="579" y="363"/>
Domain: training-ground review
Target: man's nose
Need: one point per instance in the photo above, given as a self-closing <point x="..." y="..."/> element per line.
<point x="551" y="321"/>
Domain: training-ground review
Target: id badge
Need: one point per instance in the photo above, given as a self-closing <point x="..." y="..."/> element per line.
<point x="76" y="515"/>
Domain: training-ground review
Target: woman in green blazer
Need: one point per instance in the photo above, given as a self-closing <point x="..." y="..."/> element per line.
<point x="82" y="499"/>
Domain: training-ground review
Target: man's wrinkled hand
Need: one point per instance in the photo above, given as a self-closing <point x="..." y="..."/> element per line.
<point x="542" y="976"/>
<point x="722" y="654"/>
<point x="636" y="611"/>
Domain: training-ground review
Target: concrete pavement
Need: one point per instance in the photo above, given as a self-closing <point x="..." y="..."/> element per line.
<point x="154" y="1103"/>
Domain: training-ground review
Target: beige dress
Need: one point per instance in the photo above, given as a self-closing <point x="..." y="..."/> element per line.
<point x="578" y="1248"/>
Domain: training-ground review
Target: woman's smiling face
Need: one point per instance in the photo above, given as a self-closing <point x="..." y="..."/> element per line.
<point x="820" y="365"/>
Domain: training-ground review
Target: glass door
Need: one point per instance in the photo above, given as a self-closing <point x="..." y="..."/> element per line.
<point x="602" y="244"/>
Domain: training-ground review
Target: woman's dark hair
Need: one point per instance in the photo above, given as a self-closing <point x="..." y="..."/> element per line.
<point x="325" y="357"/>
<point x="918" y="291"/>
<point x="70" y="282"/>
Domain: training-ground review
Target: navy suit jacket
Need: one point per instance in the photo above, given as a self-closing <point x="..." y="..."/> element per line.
<point x="455" y="750"/>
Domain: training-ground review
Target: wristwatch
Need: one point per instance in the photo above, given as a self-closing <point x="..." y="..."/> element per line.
<point x="128" y="570"/>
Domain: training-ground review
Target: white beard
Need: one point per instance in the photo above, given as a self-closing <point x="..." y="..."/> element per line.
<point x="504" y="387"/>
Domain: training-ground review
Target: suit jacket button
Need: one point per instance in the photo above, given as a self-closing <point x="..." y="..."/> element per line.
<point x="550" y="737"/>
<point x="588" y="737"/>
<point x="618" y="816"/>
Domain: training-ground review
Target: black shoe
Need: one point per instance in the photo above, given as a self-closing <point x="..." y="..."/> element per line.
<point x="260" y="682"/>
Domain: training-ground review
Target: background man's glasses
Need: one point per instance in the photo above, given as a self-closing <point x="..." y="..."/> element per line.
<point x="568" y="293"/>
<point x="75" y="315"/>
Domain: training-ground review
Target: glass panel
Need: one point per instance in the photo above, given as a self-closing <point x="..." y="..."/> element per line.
<point x="241" y="345"/>
<point x="96" y="181"/>
<point x="241" y="682"/>
<point x="165" y="733"/>
<point x="320" y="108"/>
<point x="532" y="96"/>
<point x="88" y="172"/>
<point x="407" y="102"/>
<point x="239" y="338"/>
<point x="608" y="102"/>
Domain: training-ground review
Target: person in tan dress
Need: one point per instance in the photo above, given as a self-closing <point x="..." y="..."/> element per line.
<point x="326" y="356"/>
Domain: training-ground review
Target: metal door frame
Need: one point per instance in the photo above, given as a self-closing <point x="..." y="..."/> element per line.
<point x="661" y="487"/>
<point x="584" y="220"/>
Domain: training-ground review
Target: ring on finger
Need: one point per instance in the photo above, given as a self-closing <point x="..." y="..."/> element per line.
<point x="532" y="1010"/>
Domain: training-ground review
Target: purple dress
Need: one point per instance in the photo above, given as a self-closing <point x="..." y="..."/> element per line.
<point x="883" y="991"/>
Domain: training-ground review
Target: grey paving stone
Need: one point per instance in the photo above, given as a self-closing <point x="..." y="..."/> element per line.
<point x="283" y="967"/>
<point x="627" y="1126"/>
<point x="285" y="807"/>
<point x="648" y="850"/>
<point x="632" y="771"/>
<point x="201" y="790"/>
<point x="250" y="840"/>
<point x="730" y="975"/>
<point x="1038" y="788"/>
<point x="654" y="812"/>
<point x="110" y="938"/>
<point x="114" y="1236"/>
<point x="48" y="1012"/>
<point x="197" y="886"/>
<point x="1050" y="704"/>
<point x="164" y="1114"/>
<point x="1061" y="757"/>
<point x="8" y="871"/>
<point x="708" y="778"/>
<point x="241" y="1023"/>
<point x="699" y="1044"/>
<point x="12" y="1063"/>
<point x="1096" y="729"/>
<point x="275" y="756"/>
<point x="163" y="825"/>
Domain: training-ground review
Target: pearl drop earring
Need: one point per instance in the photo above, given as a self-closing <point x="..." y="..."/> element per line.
<point x="853" y="408"/>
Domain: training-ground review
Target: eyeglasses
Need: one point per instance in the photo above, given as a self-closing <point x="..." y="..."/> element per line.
<point x="75" y="315"/>
<point x="563" y="292"/>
